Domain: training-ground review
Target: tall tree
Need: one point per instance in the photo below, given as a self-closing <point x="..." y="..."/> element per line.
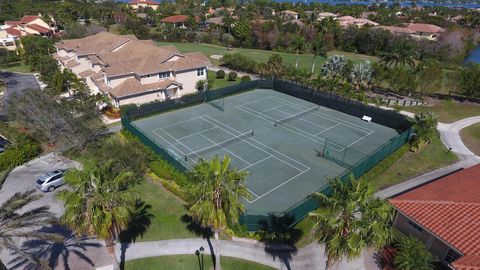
<point x="403" y="53"/>
<point x="351" y="219"/>
<point x="318" y="49"/>
<point x="100" y="202"/>
<point x="216" y="196"/>
<point x="299" y="45"/>
<point x="18" y="220"/>
<point x="425" y="130"/>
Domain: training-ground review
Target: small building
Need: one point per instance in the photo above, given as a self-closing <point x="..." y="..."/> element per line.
<point x="289" y="15"/>
<point x="179" y="21"/>
<point x="11" y="31"/>
<point x="136" y="4"/>
<point x="396" y="30"/>
<point x="323" y="15"/>
<point x="445" y="215"/>
<point x="349" y="21"/>
<point x="426" y="31"/>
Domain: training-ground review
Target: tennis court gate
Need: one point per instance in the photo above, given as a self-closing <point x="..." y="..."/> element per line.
<point x="291" y="216"/>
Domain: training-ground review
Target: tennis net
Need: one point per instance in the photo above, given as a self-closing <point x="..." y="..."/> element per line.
<point x="296" y="116"/>
<point x="219" y="145"/>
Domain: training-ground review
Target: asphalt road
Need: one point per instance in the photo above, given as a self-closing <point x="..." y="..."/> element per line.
<point x="72" y="253"/>
<point x="17" y="84"/>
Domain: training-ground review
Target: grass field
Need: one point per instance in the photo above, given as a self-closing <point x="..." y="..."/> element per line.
<point x="168" y="214"/>
<point x="471" y="138"/>
<point x="403" y="164"/>
<point x="305" y="60"/>
<point x="219" y="83"/>
<point x="22" y="68"/>
<point x="448" y="111"/>
<point x="190" y="262"/>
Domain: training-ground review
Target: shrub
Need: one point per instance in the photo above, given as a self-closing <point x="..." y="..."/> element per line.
<point x="245" y="78"/>
<point x="412" y="255"/>
<point x="239" y="62"/>
<point x="232" y="76"/>
<point x="166" y="171"/>
<point x="19" y="154"/>
<point x="171" y="186"/>
<point x="220" y="74"/>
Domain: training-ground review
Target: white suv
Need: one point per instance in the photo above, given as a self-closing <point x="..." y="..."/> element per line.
<point x="51" y="180"/>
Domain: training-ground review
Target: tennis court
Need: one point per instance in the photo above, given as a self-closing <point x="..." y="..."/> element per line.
<point x="283" y="142"/>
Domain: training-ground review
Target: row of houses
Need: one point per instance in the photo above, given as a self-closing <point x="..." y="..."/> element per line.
<point x="11" y="31"/>
<point x="129" y="70"/>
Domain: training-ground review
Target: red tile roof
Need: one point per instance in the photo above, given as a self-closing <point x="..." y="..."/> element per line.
<point x="15" y="23"/>
<point x="29" y="18"/>
<point x="175" y="19"/>
<point x="13" y="32"/>
<point x="148" y="2"/>
<point x="425" y="28"/>
<point x="450" y="208"/>
<point x="38" y="28"/>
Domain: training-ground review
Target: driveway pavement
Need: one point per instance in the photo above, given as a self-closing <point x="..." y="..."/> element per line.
<point x="72" y="253"/>
<point x="17" y="83"/>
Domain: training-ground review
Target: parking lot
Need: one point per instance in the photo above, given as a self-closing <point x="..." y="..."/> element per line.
<point x="16" y="84"/>
<point x="71" y="253"/>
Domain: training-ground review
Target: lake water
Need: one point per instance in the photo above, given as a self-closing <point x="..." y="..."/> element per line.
<point x="403" y="3"/>
<point x="474" y="56"/>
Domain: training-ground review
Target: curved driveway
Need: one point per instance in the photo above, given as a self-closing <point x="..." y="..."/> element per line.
<point x="450" y="135"/>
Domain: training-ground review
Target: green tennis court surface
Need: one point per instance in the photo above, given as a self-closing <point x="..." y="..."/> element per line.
<point x="288" y="146"/>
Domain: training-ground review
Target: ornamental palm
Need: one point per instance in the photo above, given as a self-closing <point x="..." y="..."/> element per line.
<point x="216" y="196"/>
<point x="351" y="219"/>
<point x="99" y="203"/>
<point x="299" y="45"/>
<point x="16" y="223"/>
<point x="361" y="73"/>
<point x="402" y="53"/>
<point x="334" y="66"/>
<point x="412" y="255"/>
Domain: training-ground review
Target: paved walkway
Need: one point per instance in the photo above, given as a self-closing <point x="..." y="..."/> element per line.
<point x="227" y="70"/>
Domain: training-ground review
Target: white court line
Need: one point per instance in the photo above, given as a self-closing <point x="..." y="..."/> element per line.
<point x="249" y="190"/>
<point x="331" y="118"/>
<point x="180" y="143"/>
<point x="266" y="146"/>
<point x="178" y="123"/>
<point x="286" y="125"/>
<point x="282" y="184"/>
<point x="273" y="98"/>
<point x="256" y="100"/>
<point x="196" y="133"/>
<point x="256" y="162"/>
<point x="274" y="108"/>
<point x="327" y="129"/>
<point x="168" y="142"/>
<point x="359" y="139"/>
<point x="225" y="148"/>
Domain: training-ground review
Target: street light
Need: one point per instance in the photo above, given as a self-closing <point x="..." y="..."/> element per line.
<point x="202" y="251"/>
<point x="197" y="252"/>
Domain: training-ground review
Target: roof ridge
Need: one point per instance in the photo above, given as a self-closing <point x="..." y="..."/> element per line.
<point x="434" y="202"/>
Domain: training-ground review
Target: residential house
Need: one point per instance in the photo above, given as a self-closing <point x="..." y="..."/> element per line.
<point x="324" y="15"/>
<point x="179" y="21"/>
<point x="136" y="4"/>
<point x="289" y="15"/>
<point x="445" y="215"/>
<point x="349" y="21"/>
<point x="396" y="30"/>
<point x="427" y="31"/>
<point x="11" y="31"/>
<point x="132" y="71"/>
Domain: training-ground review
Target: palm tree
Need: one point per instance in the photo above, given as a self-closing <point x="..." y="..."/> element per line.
<point x="99" y="203"/>
<point x="402" y="53"/>
<point x="216" y="196"/>
<point x="412" y="255"/>
<point x="351" y="219"/>
<point x="334" y="66"/>
<point x="16" y="222"/>
<point x="361" y="73"/>
<point x="299" y="45"/>
<point x="318" y="49"/>
<point x="425" y="129"/>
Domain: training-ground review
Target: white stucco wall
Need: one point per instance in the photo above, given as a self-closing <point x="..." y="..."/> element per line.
<point x="145" y="98"/>
<point x="188" y="79"/>
<point x="118" y="80"/>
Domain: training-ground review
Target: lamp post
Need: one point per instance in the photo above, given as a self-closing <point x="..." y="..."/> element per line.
<point x="197" y="252"/>
<point x="202" y="251"/>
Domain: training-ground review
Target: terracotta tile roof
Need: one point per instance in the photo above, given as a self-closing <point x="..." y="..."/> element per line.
<point x="396" y="29"/>
<point x="13" y="23"/>
<point x="86" y="73"/>
<point x="72" y="63"/>
<point x="100" y="43"/>
<point x="38" y="28"/>
<point x="13" y="32"/>
<point x="29" y="18"/>
<point x="425" y="28"/>
<point x="148" y="2"/>
<point x="102" y="86"/>
<point x="449" y="208"/>
<point x="95" y="60"/>
<point x="133" y="86"/>
<point x="175" y="19"/>
<point x="97" y="76"/>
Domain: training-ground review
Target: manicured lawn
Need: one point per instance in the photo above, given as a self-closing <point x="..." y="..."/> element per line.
<point x="190" y="262"/>
<point x="471" y="138"/>
<point x="219" y="83"/>
<point x="168" y="212"/>
<point x="404" y="164"/>
<point x="448" y="111"/>
<point x="22" y="68"/>
<point x="305" y="60"/>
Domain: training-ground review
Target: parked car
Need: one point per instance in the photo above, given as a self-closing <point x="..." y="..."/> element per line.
<point x="3" y="144"/>
<point x="51" y="180"/>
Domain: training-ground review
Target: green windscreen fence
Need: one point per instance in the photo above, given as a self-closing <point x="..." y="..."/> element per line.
<point x="355" y="162"/>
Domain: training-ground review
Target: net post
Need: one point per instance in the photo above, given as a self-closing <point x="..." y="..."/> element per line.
<point x="324" y="146"/>
<point x="344" y="154"/>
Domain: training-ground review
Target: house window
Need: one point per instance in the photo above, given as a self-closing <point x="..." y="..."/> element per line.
<point x="163" y="75"/>
<point x="200" y="71"/>
<point x="415" y="226"/>
<point x="451" y="256"/>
